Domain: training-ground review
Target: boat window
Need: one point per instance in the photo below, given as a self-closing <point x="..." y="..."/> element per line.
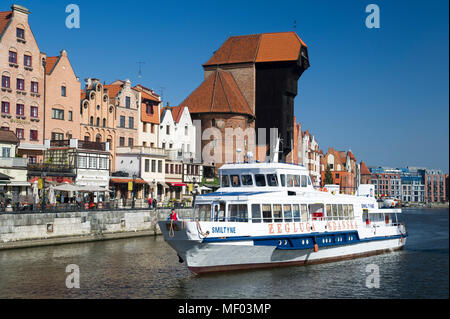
<point x="235" y="180"/>
<point x="304" y="181"/>
<point x="283" y="180"/>
<point x="335" y="212"/>
<point x="309" y="180"/>
<point x="238" y="213"/>
<point x="203" y="212"/>
<point x="328" y="210"/>
<point x="256" y="213"/>
<point x="219" y="212"/>
<point x="345" y="211"/>
<point x="304" y="208"/>
<point x="316" y="211"/>
<point x="272" y="180"/>
<point x="267" y="213"/>
<point x="287" y="213"/>
<point x="247" y="180"/>
<point x="350" y="211"/>
<point x="260" y="180"/>
<point x="277" y="218"/>
<point x="297" y="181"/>
<point x="340" y="211"/>
<point x="225" y="181"/>
<point x="290" y="180"/>
<point x="296" y="212"/>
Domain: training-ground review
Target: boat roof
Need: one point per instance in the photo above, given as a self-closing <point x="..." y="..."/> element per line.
<point x="264" y="165"/>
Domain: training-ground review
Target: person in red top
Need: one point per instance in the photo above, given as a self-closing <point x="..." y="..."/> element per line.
<point x="173" y="215"/>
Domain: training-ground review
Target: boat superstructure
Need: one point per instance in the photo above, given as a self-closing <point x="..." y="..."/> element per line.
<point x="269" y="214"/>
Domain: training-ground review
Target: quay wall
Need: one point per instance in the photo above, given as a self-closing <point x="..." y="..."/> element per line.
<point x="18" y="230"/>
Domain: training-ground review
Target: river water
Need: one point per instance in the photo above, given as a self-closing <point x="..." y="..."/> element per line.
<point x="146" y="267"/>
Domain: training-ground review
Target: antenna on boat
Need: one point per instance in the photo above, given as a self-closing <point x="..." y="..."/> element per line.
<point x="250" y="157"/>
<point x="274" y="146"/>
<point x="238" y="151"/>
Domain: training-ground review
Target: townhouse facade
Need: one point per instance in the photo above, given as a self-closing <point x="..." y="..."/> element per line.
<point x="343" y="168"/>
<point x="310" y="156"/>
<point x="148" y="126"/>
<point x="22" y="68"/>
<point x="62" y="95"/>
<point x="98" y="116"/>
<point x="12" y="168"/>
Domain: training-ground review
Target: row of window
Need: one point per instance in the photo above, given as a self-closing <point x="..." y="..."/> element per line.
<point x="147" y="166"/>
<point x="174" y="168"/>
<point x="122" y="121"/>
<point x="97" y="122"/>
<point x="12" y="58"/>
<point x="122" y="141"/>
<point x="186" y="129"/>
<point x="261" y="180"/>
<point x="93" y="162"/>
<point x="20" y="109"/>
<point x="278" y="213"/>
<point x="20" y="133"/>
<point x="20" y="85"/>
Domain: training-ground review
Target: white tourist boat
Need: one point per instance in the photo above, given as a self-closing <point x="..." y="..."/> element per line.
<point x="270" y="215"/>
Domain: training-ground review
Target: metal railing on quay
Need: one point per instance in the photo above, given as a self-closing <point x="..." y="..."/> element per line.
<point x="114" y="205"/>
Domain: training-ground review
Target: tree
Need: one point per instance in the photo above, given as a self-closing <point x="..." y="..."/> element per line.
<point x="328" y="176"/>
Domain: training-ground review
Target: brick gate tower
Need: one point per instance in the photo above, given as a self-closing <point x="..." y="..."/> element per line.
<point x="251" y="82"/>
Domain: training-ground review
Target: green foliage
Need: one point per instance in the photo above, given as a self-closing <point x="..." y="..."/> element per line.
<point x="328" y="176"/>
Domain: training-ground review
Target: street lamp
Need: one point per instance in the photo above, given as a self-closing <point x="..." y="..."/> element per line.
<point x="153" y="188"/>
<point x="194" y="190"/>
<point x="134" y="190"/>
<point x="43" y="176"/>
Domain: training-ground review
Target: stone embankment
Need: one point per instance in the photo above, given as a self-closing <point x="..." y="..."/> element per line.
<point x="19" y="230"/>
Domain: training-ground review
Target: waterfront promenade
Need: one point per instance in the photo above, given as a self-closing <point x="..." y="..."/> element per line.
<point x="30" y="229"/>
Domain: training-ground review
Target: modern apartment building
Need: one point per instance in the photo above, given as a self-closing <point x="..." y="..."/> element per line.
<point x="436" y="186"/>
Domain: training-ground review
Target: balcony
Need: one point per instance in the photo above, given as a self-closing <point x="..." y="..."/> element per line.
<point x="74" y="143"/>
<point x="142" y="150"/>
<point x="38" y="168"/>
<point x="177" y="155"/>
<point x="13" y="162"/>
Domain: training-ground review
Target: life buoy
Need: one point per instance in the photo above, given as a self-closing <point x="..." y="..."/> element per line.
<point x="316" y="248"/>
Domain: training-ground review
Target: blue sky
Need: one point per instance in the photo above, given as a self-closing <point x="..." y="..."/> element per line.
<point x="383" y="93"/>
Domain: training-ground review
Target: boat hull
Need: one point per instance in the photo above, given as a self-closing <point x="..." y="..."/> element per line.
<point x="216" y="257"/>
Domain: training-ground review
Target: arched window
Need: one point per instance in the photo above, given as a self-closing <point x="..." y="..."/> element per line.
<point x="91" y="120"/>
<point x="104" y="122"/>
<point x="98" y="121"/>
<point x="98" y="138"/>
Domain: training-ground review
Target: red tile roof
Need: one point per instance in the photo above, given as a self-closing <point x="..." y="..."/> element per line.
<point x="4" y="20"/>
<point x="8" y="136"/>
<point x="146" y="95"/>
<point x="51" y="62"/>
<point x="264" y="47"/>
<point x="177" y="111"/>
<point x="364" y="169"/>
<point x="219" y="93"/>
<point x="113" y="89"/>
